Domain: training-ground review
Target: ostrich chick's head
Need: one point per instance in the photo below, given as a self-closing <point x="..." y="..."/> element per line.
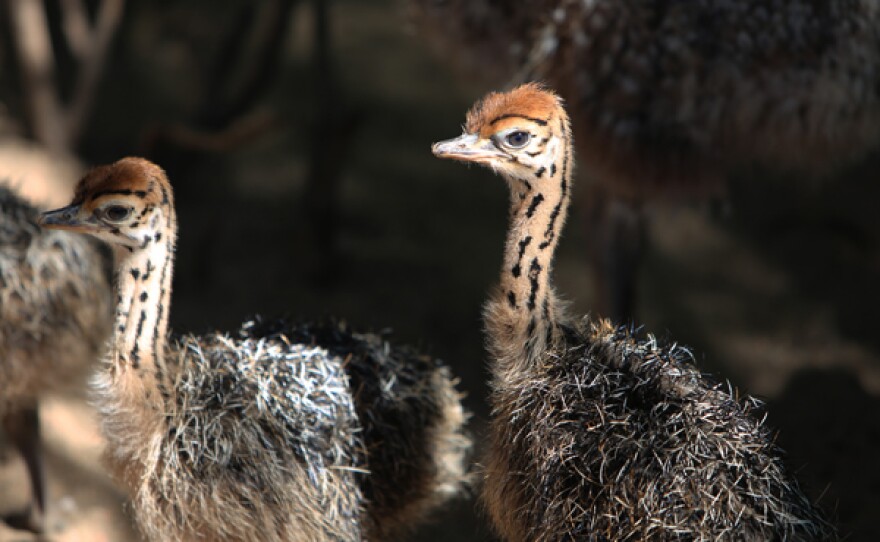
<point x="127" y="203"/>
<point x="519" y="134"/>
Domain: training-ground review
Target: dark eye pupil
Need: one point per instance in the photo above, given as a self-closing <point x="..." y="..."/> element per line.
<point x="517" y="139"/>
<point x="117" y="213"/>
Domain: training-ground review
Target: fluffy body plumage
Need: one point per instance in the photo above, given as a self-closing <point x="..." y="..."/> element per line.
<point x="616" y="438"/>
<point x="54" y="305"/>
<point x="410" y="416"/>
<point x="55" y="316"/>
<point x="276" y="434"/>
<point x="597" y="435"/>
<point x="254" y="439"/>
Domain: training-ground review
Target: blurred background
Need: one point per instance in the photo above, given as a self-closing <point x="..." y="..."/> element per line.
<point x="297" y="136"/>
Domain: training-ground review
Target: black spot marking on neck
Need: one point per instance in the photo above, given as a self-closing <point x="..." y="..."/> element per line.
<point x="552" y="169"/>
<point x="523" y="244"/>
<point x="550" y="232"/>
<point x="149" y="270"/>
<point x="144" y="296"/>
<point x="160" y="316"/>
<point x="565" y="164"/>
<point x="545" y="244"/>
<point x="135" y="350"/>
<point x="511" y="299"/>
<point x="531" y="329"/>
<point x="534" y="272"/>
<point x="140" y="324"/>
<point x="158" y="322"/>
<point x="135" y="273"/>
<point x="517" y="269"/>
<point x="540" y="172"/>
<point x="534" y="205"/>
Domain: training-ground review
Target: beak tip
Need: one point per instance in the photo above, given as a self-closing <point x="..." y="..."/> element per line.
<point x="464" y="147"/>
<point x="57" y="219"/>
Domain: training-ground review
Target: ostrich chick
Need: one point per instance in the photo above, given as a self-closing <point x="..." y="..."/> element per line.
<point x="55" y="315"/>
<point x="668" y="96"/>
<point x="596" y="435"/>
<point x="255" y="437"/>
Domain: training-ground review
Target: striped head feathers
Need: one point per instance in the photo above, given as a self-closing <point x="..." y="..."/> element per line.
<point x="520" y="133"/>
<point x="127" y="203"/>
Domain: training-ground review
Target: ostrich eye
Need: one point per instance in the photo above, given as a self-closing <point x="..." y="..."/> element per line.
<point x="116" y="213"/>
<point x="517" y="140"/>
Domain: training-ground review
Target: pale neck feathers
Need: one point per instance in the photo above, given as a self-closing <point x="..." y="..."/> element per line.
<point x="143" y="286"/>
<point x="521" y="316"/>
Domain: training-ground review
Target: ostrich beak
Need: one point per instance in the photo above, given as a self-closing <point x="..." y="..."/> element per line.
<point x="468" y="148"/>
<point x="68" y="218"/>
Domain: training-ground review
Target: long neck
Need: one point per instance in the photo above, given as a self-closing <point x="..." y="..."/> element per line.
<point x="523" y="313"/>
<point x="143" y="287"/>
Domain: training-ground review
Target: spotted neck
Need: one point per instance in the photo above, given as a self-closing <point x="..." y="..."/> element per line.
<point x="143" y="287"/>
<point x="523" y="313"/>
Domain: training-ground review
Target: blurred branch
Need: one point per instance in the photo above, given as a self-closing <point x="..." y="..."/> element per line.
<point x="245" y="129"/>
<point x="245" y="68"/>
<point x="75" y="22"/>
<point x="30" y="32"/>
<point x="332" y="134"/>
<point x="233" y="95"/>
<point x="54" y="124"/>
<point x="92" y="66"/>
<point x="230" y="53"/>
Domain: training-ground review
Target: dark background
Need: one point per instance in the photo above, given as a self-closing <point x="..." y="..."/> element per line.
<point x="305" y="186"/>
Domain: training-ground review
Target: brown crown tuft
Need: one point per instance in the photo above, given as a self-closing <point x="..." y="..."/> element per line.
<point x="137" y="175"/>
<point x="529" y="100"/>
